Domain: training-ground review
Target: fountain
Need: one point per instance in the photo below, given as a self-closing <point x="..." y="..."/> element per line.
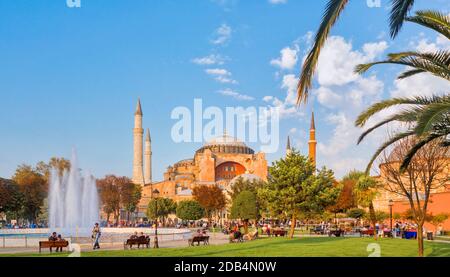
<point x="73" y="201"/>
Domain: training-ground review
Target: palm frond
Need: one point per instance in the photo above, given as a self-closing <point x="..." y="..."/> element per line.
<point x="435" y="20"/>
<point x="399" y="13"/>
<point x="436" y="63"/>
<point x="377" y="107"/>
<point x="412" y="152"/>
<point x="410" y="73"/>
<point x="385" y="145"/>
<point x="332" y="12"/>
<point x="406" y="116"/>
<point x="430" y="116"/>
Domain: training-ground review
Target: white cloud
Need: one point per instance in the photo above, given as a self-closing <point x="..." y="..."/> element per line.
<point x="217" y="71"/>
<point x="277" y="2"/>
<point x="338" y="60"/>
<point x="221" y="75"/>
<point x="209" y="60"/>
<point x="287" y="107"/>
<point x="236" y="95"/>
<point x="222" y="35"/>
<point x="288" y="58"/>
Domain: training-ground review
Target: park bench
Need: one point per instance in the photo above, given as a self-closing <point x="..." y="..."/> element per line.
<point x="317" y="231"/>
<point x="52" y="244"/>
<point x="369" y="232"/>
<point x="280" y="233"/>
<point x="138" y="241"/>
<point x="198" y="239"/>
<point x="336" y="233"/>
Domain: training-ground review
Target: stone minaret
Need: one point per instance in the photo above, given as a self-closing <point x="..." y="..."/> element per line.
<point x="312" y="141"/>
<point x="138" y="139"/>
<point x="148" y="158"/>
<point x="288" y="147"/>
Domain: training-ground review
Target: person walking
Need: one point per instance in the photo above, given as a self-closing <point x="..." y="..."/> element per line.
<point x="96" y="233"/>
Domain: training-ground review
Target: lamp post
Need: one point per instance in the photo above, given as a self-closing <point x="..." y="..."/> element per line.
<point x="155" y="195"/>
<point x="391" y="204"/>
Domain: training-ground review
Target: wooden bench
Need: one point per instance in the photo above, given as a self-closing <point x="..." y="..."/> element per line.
<point x="52" y="244"/>
<point x="280" y="233"/>
<point x="139" y="241"/>
<point x="204" y="239"/>
<point x="336" y="233"/>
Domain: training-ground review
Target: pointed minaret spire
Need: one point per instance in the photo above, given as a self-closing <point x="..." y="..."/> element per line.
<point x="138" y="107"/>
<point x="148" y="159"/>
<point x="148" y="137"/>
<point x="288" y="146"/>
<point x="138" y="140"/>
<point x="312" y="141"/>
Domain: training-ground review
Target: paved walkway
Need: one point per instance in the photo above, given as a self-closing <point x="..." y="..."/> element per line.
<point x="215" y="239"/>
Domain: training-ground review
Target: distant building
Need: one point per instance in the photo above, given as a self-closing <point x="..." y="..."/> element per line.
<point x="439" y="198"/>
<point x="218" y="162"/>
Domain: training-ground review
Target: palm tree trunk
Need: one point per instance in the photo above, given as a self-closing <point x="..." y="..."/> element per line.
<point x="373" y="219"/>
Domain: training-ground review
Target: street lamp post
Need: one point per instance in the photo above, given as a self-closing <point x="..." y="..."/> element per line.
<point x="391" y="204"/>
<point x="155" y="194"/>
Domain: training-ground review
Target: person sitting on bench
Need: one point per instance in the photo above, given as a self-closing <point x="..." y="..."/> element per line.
<point x="142" y="236"/>
<point x="53" y="237"/>
<point x="134" y="236"/>
<point x="59" y="239"/>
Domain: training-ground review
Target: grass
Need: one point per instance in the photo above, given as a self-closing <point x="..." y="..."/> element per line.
<point x="282" y="247"/>
<point x="446" y="238"/>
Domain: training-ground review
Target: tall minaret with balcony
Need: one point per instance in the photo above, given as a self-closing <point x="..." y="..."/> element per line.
<point x="288" y="147"/>
<point x="138" y="139"/>
<point x="148" y="158"/>
<point x="312" y="141"/>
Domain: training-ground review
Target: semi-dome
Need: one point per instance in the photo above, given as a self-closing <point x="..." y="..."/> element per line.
<point x="226" y="144"/>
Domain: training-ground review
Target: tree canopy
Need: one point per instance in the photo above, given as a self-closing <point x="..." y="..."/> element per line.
<point x="294" y="188"/>
<point x="190" y="210"/>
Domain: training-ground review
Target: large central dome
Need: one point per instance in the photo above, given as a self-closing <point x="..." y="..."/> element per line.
<point x="226" y="144"/>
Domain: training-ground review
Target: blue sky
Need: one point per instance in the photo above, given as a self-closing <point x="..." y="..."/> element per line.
<point x="71" y="76"/>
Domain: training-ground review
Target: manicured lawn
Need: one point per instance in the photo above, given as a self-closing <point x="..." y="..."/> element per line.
<point x="282" y="247"/>
<point x="446" y="238"/>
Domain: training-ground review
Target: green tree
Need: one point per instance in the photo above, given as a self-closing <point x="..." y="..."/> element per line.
<point x="438" y="219"/>
<point x="334" y="8"/>
<point x="428" y="118"/>
<point x="161" y="208"/>
<point x="32" y="186"/>
<point x="294" y="188"/>
<point x="365" y="192"/>
<point x="11" y="199"/>
<point x="244" y="207"/>
<point x="190" y="210"/>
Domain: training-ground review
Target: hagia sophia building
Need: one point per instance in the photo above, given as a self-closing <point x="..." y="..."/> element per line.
<point x="218" y="162"/>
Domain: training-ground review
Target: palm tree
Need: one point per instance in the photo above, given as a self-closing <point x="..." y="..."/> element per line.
<point x="333" y="10"/>
<point x="428" y="118"/>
